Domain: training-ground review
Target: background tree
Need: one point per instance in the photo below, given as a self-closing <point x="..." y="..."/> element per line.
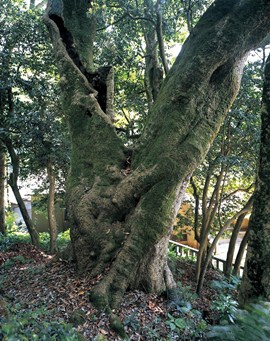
<point x="46" y="156"/>
<point x="27" y="83"/>
<point x="223" y="184"/>
<point x="2" y="190"/>
<point x="255" y="282"/>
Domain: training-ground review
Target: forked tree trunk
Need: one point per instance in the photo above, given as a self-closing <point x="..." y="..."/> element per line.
<point x="256" y="280"/>
<point x="121" y="221"/>
<point x="2" y="191"/>
<point x="51" y="209"/>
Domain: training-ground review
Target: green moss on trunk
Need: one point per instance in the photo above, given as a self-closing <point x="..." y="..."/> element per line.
<point x="118" y="222"/>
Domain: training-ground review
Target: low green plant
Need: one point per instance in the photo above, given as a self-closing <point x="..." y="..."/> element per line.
<point x="185" y="322"/>
<point x="17" y="237"/>
<point x="6" y="241"/>
<point x="172" y="253"/>
<point x="44" y="240"/>
<point x="175" y="323"/>
<point x="252" y="324"/>
<point x="35" y="325"/>
<point x="63" y="239"/>
<point x="9" y="263"/>
<point x="11" y="221"/>
<point x="225" y="305"/>
<point x="151" y="330"/>
<point x="226" y="285"/>
<point x="186" y="293"/>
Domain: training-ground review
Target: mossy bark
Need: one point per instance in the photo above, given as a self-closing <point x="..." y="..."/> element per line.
<point x="120" y="221"/>
<point x="256" y="280"/>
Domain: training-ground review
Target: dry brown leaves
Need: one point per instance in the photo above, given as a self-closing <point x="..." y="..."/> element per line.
<point x="56" y="286"/>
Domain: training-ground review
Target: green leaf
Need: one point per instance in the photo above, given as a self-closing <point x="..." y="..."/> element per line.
<point x="180" y="323"/>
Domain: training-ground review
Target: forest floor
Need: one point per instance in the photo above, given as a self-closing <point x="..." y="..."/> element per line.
<point x="42" y="289"/>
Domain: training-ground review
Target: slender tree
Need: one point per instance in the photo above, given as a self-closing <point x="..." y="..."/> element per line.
<point x="121" y="221"/>
<point x="232" y="244"/>
<point x="26" y="85"/>
<point x="256" y="280"/>
<point x="2" y="190"/>
<point x="240" y="254"/>
<point x="51" y="208"/>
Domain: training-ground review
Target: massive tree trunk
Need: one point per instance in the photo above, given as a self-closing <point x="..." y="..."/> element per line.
<point x="121" y="220"/>
<point x="256" y="279"/>
<point x="2" y="190"/>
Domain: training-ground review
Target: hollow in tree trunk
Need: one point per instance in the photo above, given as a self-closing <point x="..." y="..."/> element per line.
<point x="121" y="214"/>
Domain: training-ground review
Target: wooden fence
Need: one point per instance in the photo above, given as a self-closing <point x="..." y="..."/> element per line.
<point x="189" y="252"/>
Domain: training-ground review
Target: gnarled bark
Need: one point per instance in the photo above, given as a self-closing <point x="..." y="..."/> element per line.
<point x="120" y="220"/>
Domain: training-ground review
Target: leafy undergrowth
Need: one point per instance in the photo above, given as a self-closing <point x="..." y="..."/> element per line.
<point x="47" y="300"/>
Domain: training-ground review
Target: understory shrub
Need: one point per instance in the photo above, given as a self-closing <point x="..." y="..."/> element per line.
<point x="225" y="305"/>
<point x="17" y="237"/>
<point x="6" y="241"/>
<point x="185" y="322"/>
<point x="252" y="324"/>
<point x="35" y="325"/>
<point x="9" y="263"/>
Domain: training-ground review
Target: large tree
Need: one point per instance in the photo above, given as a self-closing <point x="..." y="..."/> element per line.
<point x="256" y="279"/>
<point x="122" y="201"/>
